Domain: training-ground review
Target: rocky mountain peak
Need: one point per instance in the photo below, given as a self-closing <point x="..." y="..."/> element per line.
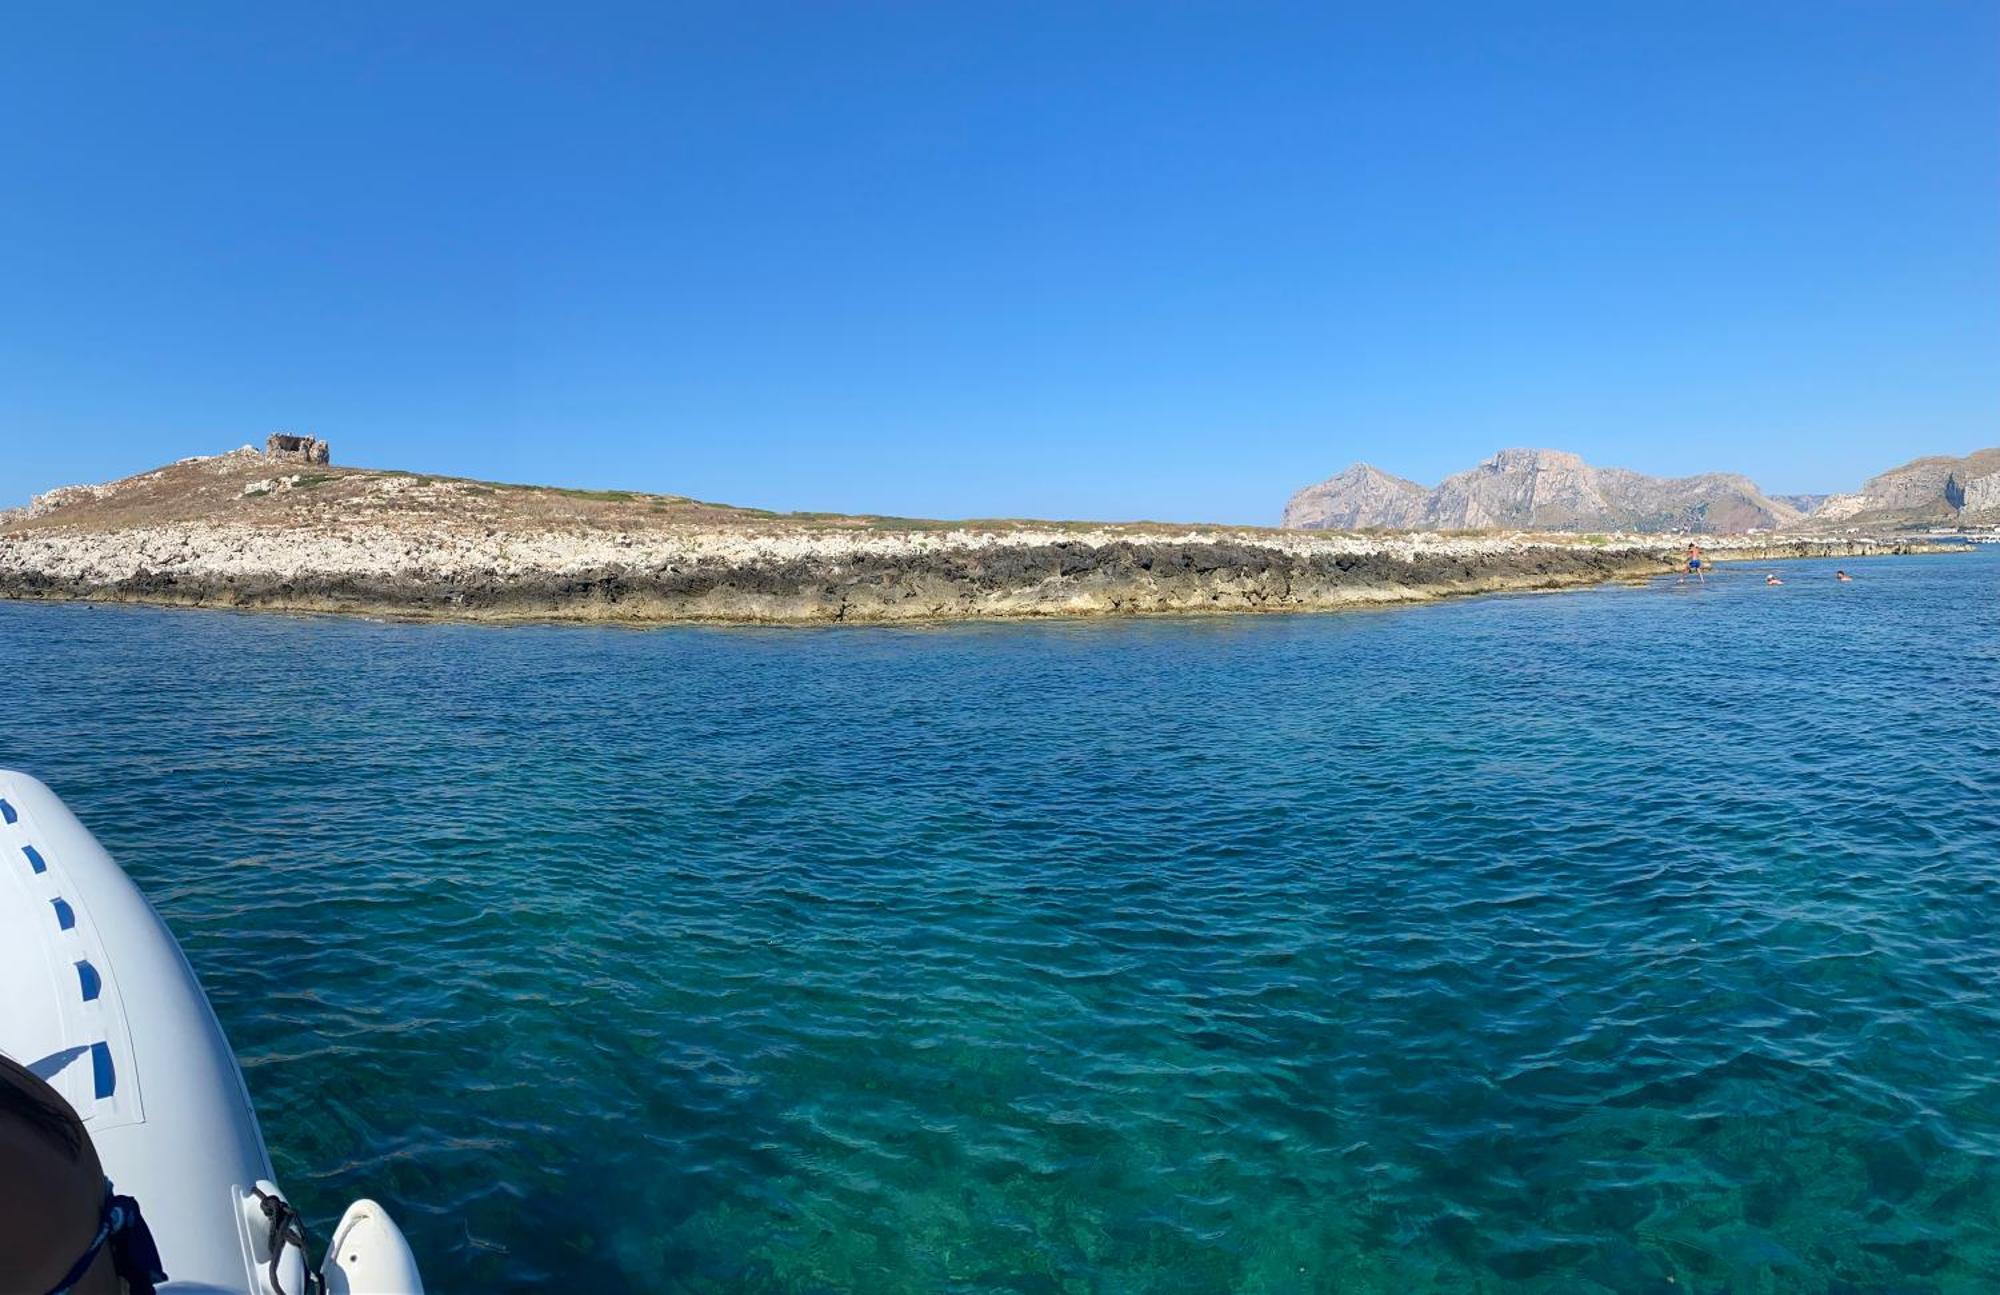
<point x="1538" y="489"/>
<point x="1934" y="490"/>
<point x="1524" y="460"/>
<point x="1356" y="498"/>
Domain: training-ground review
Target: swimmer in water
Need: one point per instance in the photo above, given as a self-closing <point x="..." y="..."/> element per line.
<point x="1772" y="579"/>
<point x="1843" y="577"/>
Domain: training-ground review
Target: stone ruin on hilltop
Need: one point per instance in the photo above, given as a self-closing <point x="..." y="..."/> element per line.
<point x="296" y="449"/>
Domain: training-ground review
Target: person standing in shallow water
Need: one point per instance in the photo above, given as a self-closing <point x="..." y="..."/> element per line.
<point x="1694" y="565"/>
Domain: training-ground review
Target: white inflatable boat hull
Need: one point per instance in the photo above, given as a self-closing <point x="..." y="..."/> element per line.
<point x="101" y="1003"/>
<point x="368" y="1253"/>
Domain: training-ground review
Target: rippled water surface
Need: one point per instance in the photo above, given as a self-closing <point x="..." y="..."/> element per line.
<point x="1623" y="940"/>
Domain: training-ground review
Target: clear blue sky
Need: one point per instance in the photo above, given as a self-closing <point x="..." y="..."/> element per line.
<point x="1159" y="260"/>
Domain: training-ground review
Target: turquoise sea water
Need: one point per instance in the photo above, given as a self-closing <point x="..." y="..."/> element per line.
<point x="1636" y="939"/>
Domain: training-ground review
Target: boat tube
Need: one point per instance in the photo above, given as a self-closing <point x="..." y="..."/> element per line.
<point x="103" y="1006"/>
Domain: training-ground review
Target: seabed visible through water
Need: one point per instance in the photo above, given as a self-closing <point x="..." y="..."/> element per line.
<point x="1623" y="940"/>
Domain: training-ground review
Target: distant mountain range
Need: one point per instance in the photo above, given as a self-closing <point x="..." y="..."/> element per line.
<point x="1553" y="490"/>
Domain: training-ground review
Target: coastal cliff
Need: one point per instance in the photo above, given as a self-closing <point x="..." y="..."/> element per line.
<point x="230" y="531"/>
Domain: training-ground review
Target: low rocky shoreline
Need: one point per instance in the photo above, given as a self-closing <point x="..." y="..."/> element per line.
<point x="828" y="578"/>
<point x="225" y="532"/>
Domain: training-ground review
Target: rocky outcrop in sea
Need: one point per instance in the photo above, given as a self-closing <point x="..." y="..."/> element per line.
<point x="776" y="576"/>
<point x="239" y="531"/>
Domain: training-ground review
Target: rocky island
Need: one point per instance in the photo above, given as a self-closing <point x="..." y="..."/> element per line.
<point x="285" y="529"/>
